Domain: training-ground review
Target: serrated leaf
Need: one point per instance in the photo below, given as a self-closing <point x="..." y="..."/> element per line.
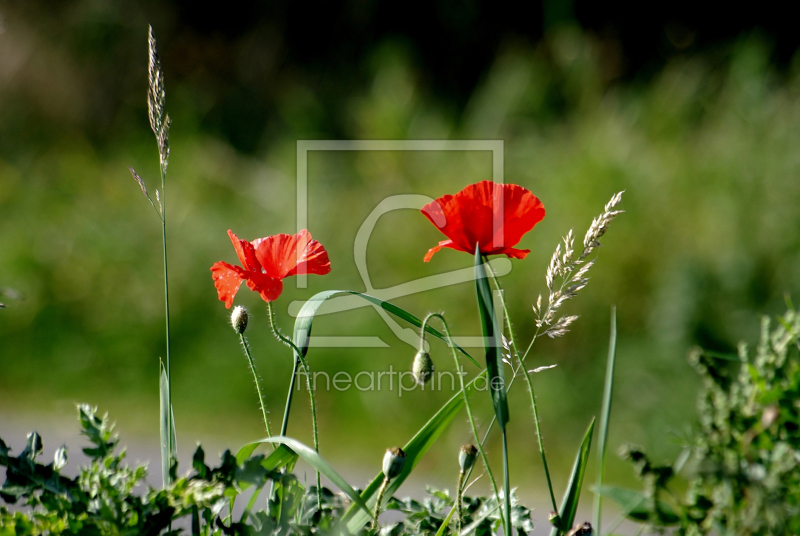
<point x="569" y="504"/>
<point x="632" y="503"/>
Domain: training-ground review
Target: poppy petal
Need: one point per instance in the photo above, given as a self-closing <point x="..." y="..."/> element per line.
<point x="313" y="257"/>
<point x="521" y="212"/>
<point x="435" y="249"/>
<point x="470" y="217"/>
<point x="269" y="287"/>
<point x="227" y="279"/>
<point x="246" y="253"/>
<point x="513" y="253"/>
<point x="285" y="255"/>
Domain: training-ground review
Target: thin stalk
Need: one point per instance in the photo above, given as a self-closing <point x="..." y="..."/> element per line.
<point x="166" y="307"/>
<point x="459" y="498"/>
<point x="506" y="490"/>
<point x="298" y="357"/>
<point x="258" y="383"/>
<point x="528" y="381"/>
<point x="470" y="416"/>
<point x="381" y="493"/>
<point x="289" y="397"/>
<point x="606" y="412"/>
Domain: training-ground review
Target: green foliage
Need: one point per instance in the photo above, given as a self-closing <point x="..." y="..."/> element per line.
<point x="481" y="515"/>
<point x="102" y="500"/>
<point x="743" y="464"/>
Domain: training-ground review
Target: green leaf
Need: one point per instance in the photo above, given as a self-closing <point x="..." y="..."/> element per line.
<point x="167" y="427"/>
<point x="492" y="335"/>
<point x="633" y="503"/>
<point x="305" y="318"/>
<point x="569" y="504"/>
<point x="446" y="522"/>
<point x="605" y="415"/>
<point x="315" y="460"/>
<point x="415" y="449"/>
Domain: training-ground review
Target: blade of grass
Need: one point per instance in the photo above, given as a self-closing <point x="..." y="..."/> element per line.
<point x="305" y="318"/>
<point x="415" y="449"/>
<point x="494" y="367"/>
<point x="604" y="417"/>
<point x="317" y="462"/>
<point x="569" y="504"/>
<point x="167" y="421"/>
<point x="443" y="527"/>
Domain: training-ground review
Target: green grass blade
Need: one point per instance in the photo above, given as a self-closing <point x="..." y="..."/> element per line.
<point x="569" y="504"/>
<point x="415" y="449"/>
<point x="491" y="334"/>
<point x="317" y="462"/>
<point x="280" y="457"/>
<point x="446" y="522"/>
<point x="167" y="421"/>
<point x="604" y="417"/>
<point x="305" y="318"/>
<point x="494" y="366"/>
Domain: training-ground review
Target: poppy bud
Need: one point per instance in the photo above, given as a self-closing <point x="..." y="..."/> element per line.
<point x="239" y="318"/>
<point x="423" y="367"/>
<point x="393" y="462"/>
<point x="554" y="518"/>
<point x="467" y="457"/>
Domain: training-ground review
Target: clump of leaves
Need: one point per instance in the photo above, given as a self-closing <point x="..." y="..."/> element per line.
<point x="743" y="464"/>
<point x="481" y="515"/>
<point x="108" y="497"/>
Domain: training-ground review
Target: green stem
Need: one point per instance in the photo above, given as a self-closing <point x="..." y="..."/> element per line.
<point x="298" y="357"/>
<point x="257" y="380"/>
<point x="381" y="493"/>
<point x="528" y="381"/>
<point x="459" y="498"/>
<point x="470" y="417"/>
<point x="166" y="307"/>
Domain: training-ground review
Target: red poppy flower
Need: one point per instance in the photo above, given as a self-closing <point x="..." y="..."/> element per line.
<point x="266" y="261"/>
<point x="469" y="218"/>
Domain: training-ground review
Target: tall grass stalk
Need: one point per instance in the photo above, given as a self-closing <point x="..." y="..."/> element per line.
<point x="604" y="417"/>
<point x="528" y="380"/>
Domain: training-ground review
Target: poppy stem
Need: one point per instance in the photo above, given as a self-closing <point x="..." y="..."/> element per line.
<point x="258" y="383"/>
<point x="528" y="381"/>
<point x="470" y="416"/>
<point x="298" y="359"/>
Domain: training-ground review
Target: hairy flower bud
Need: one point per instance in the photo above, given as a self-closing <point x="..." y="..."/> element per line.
<point x="466" y="457"/>
<point x="393" y="462"/>
<point x="423" y="367"/>
<point x="239" y="318"/>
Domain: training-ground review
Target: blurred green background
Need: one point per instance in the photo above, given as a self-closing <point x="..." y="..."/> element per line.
<point x="696" y="117"/>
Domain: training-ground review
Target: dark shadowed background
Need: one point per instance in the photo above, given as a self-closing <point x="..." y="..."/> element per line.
<point x="694" y="113"/>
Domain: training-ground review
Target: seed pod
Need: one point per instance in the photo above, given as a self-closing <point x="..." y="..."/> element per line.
<point x="423" y="367"/>
<point x="466" y="457"/>
<point x="393" y="462"/>
<point x="239" y="318"/>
